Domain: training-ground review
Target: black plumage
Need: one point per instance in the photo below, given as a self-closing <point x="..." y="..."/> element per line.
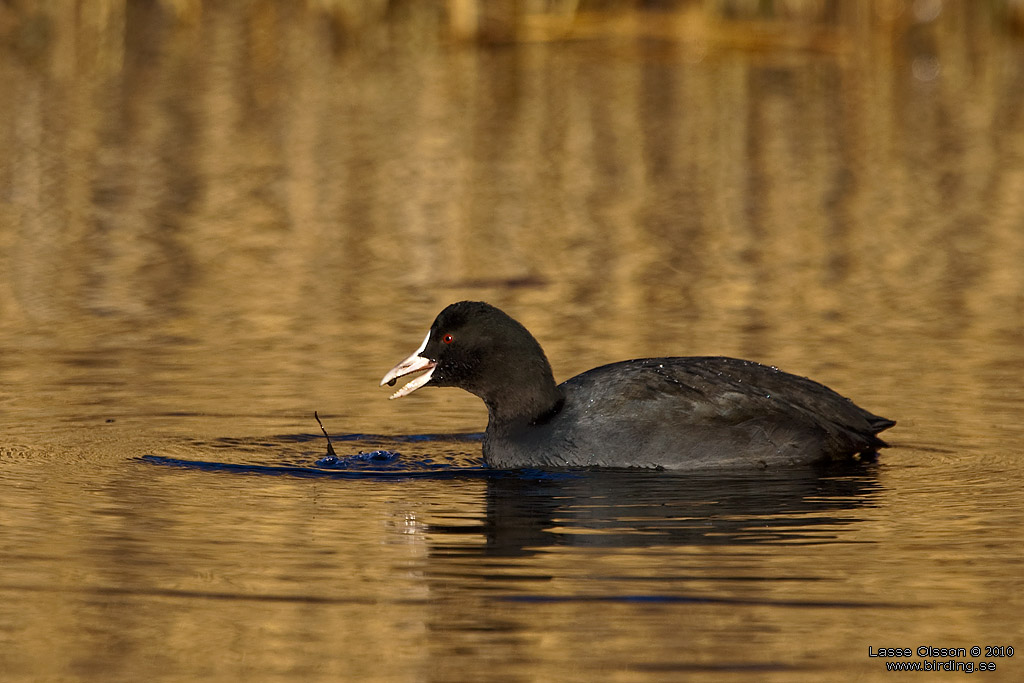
<point x="681" y="413"/>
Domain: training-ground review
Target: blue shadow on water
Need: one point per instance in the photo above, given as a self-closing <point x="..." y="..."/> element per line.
<point x="362" y="467"/>
<point x="359" y="468"/>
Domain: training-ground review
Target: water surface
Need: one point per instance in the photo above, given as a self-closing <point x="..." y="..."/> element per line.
<point x="210" y="229"/>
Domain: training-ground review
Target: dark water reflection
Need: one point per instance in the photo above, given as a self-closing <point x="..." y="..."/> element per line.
<point x="636" y="510"/>
<point x="213" y="225"/>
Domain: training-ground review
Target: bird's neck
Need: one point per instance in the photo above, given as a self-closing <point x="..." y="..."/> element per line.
<point x="528" y="401"/>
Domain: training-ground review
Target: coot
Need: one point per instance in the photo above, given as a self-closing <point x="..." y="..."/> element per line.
<point x="672" y="413"/>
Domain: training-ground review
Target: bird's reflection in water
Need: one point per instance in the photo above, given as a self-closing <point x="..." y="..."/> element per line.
<point x="527" y="512"/>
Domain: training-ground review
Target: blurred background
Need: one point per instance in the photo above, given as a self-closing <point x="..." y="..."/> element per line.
<point x="255" y="208"/>
<point x="219" y="216"/>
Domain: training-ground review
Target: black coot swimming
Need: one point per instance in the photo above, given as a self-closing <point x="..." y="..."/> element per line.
<point x="694" y="413"/>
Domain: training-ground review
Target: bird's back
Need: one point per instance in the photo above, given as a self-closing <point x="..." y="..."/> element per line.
<point x="691" y="413"/>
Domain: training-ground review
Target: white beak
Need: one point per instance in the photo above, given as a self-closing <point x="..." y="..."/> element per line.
<point x="413" y="363"/>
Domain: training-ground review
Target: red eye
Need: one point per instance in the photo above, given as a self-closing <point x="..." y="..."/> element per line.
<point x="447" y="339"/>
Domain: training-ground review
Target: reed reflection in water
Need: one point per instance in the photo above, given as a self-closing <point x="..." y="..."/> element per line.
<point x="218" y="218"/>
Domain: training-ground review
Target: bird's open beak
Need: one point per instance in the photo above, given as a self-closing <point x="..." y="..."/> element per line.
<point x="413" y="363"/>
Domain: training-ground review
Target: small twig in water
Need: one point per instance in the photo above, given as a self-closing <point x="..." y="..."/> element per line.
<point x="330" y="448"/>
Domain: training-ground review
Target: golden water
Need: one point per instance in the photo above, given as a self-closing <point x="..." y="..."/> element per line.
<point x="212" y="226"/>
